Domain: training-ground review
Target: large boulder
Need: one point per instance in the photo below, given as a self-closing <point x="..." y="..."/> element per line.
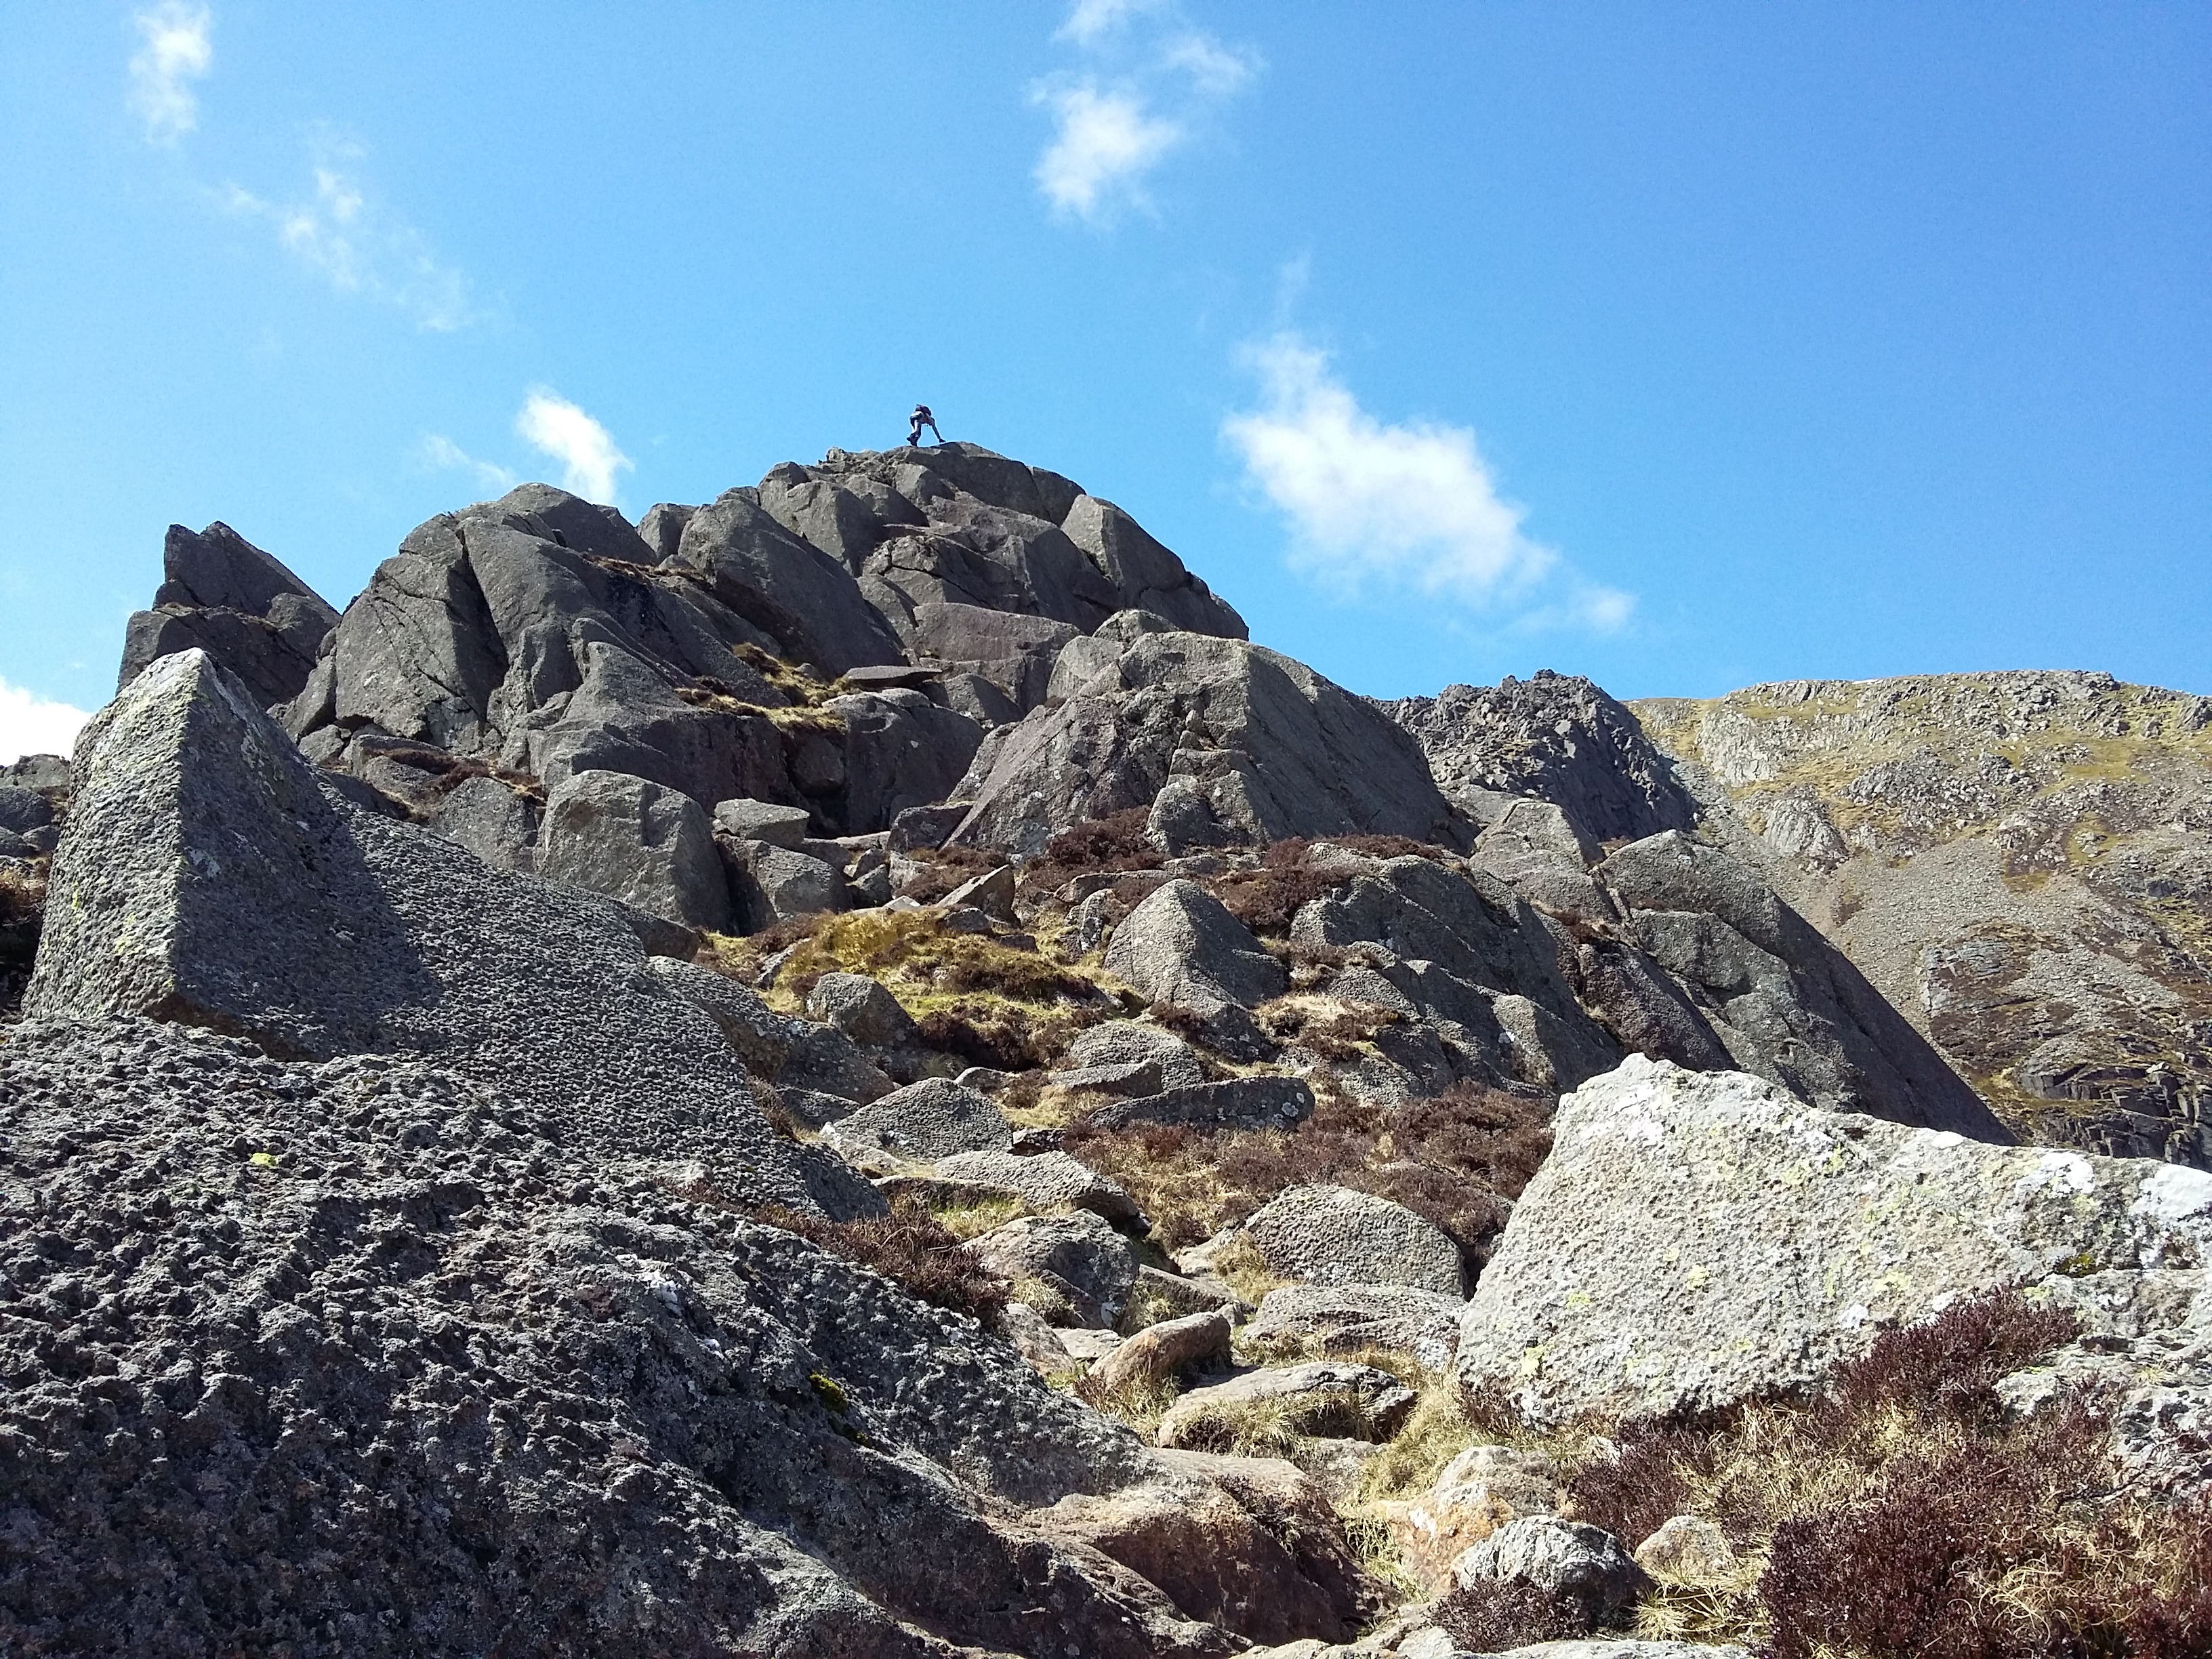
<point x="1470" y="952"/>
<point x="1044" y="1182"/>
<point x="900" y="750"/>
<point x="1348" y="1318"/>
<point x="1337" y="1401"/>
<point x="648" y="845"/>
<point x="862" y="1009"/>
<point x="222" y="594"/>
<point x="1328" y="1235"/>
<point x="1260" y="1102"/>
<point x="1248" y="1543"/>
<point x="425" y="1376"/>
<point x="493" y="635"/>
<point x="1583" y="1564"/>
<point x="1076" y="1258"/>
<point x="206" y="878"/>
<point x="1181" y="946"/>
<point x="1694" y="1240"/>
<point x="1258" y="747"/>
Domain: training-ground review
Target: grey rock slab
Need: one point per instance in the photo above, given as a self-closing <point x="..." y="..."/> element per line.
<point x="1158" y="1352"/>
<point x="1043" y="1182"/>
<point x="900" y="750"/>
<point x="785" y="585"/>
<point x="1357" y="1402"/>
<point x="641" y="842"/>
<point x="992" y="892"/>
<point x="773" y="822"/>
<point x="499" y="825"/>
<point x="1240" y="1103"/>
<point x="221" y="594"/>
<point x="1347" y="1318"/>
<point x="1795" y="1009"/>
<point x="1696" y="1239"/>
<point x="1293" y="754"/>
<point x="823" y="1061"/>
<point x="1333" y="1235"/>
<point x="774" y="884"/>
<point x="862" y="1009"/>
<point x="1080" y="1255"/>
<point x="1124" y="1042"/>
<point x="1554" y="736"/>
<point x="205" y="878"/>
<point x="1127" y="1078"/>
<point x="23" y="810"/>
<point x="922" y="1123"/>
<point x="1181" y="946"/>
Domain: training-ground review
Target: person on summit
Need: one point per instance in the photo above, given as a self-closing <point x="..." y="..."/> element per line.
<point x="922" y="417"/>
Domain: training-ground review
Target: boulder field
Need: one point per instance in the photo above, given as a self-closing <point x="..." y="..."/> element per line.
<point x="852" y="1070"/>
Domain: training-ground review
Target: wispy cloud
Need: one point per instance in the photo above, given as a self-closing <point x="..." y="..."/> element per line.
<point x="1139" y="96"/>
<point x="1395" y="504"/>
<point x="586" y="450"/>
<point x="338" y="231"/>
<point x="1092" y="21"/>
<point x="442" y="454"/>
<point x="33" y="725"/>
<point x="1216" y="70"/>
<point x="173" y="52"/>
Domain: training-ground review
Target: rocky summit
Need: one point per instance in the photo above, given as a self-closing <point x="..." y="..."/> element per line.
<point x="853" y="1070"/>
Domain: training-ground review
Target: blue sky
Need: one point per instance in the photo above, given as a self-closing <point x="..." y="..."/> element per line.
<point x="1685" y="346"/>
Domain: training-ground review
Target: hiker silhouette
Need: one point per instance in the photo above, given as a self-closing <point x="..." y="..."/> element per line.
<point x="922" y="417"/>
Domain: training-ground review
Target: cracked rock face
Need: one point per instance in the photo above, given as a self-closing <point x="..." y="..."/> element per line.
<point x="359" y="1356"/>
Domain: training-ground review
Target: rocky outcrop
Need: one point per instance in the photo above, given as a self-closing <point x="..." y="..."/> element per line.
<point x="1225" y="743"/>
<point x="1552" y="738"/>
<point x="206" y="878"/>
<point x="1786" y="1003"/>
<point x="1698" y="1239"/>
<point x="222" y="594"/>
<point x="424" y="1377"/>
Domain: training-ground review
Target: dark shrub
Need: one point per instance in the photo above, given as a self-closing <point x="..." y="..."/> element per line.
<point x="1005" y="1037"/>
<point x="1907" y="1573"/>
<point x="1114" y="842"/>
<point x="910" y="1248"/>
<point x="1490" y="1617"/>
<point x="1950" y="1366"/>
<point x="1633" y="1494"/>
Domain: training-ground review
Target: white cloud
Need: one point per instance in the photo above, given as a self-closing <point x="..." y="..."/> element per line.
<point x="1400" y="505"/>
<point x="1092" y="21"/>
<point x="441" y="453"/>
<point x="342" y="235"/>
<point x="584" y="449"/>
<point x="1215" y="69"/>
<point x="32" y="725"/>
<point x="1102" y="146"/>
<point x="173" y="52"/>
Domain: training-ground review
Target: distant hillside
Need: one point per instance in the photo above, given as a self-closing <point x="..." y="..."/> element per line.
<point x="2019" y="861"/>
